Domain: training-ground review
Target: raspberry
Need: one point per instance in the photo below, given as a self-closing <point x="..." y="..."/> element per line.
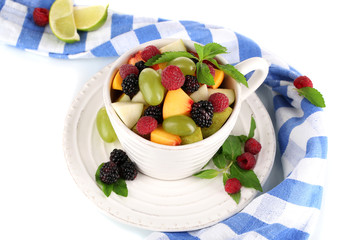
<point x="232" y="185"/>
<point x="172" y="78"/>
<point x="202" y="113"/>
<point x="246" y="161"/>
<point x="252" y="146"/>
<point x="303" y="81"/>
<point x="146" y="125"/>
<point x="140" y="65"/>
<point x="118" y="156"/>
<point x="220" y="101"/>
<point x="149" y="52"/>
<point x="128" y="170"/>
<point x="130" y="85"/>
<point x="109" y="173"/>
<point x="155" y="112"/>
<point x="191" y="84"/>
<point x="128" y="69"/>
<point x="41" y="16"/>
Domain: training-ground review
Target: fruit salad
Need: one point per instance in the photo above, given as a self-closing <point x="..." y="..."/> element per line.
<point x="168" y="97"/>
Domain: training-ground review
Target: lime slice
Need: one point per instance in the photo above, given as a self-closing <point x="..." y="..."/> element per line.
<point x="62" y="21"/>
<point x="90" y="18"/>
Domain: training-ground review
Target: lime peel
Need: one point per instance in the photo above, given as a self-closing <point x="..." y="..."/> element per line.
<point x="90" y="18"/>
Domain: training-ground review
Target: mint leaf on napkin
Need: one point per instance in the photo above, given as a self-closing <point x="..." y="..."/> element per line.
<point x="313" y="95"/>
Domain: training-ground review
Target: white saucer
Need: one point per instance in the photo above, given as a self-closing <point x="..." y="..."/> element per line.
<point x="152" y="204"/>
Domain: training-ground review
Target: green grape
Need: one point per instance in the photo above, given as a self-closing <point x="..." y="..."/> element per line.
<point x="186" y="65"/>
<point x="151" y="87"/>
<point x="104" y="127"/>
<point x="180" y="125"/>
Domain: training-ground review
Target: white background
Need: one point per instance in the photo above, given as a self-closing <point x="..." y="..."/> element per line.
<point x="39" y="198"/>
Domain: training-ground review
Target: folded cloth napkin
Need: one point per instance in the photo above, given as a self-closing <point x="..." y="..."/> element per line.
<point x="288" y="211"/>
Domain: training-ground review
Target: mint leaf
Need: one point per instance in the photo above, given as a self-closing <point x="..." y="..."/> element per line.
<point x="200" y="51"/>
<point x="213" y="61"/>
<point x="207" y="174"/>
<point x="234" y="73"/>
<point x="232" y="147"/>
<point x="235" y="196"/>
<point x="167" y="57"/>
<point x="313" y="95"/>
<point x="203" y="74"/>
<point x="212" y="49"/>
<point x="252" y="128"/>
<point x="243" y="138"/>
<point x="120" y="188"/>
<point x="225" y="177"/>
<point x="247" y="177"/>
<point x="220" y="161"/>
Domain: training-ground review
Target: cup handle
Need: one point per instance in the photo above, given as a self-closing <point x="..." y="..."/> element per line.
<point x="261" y="68"/>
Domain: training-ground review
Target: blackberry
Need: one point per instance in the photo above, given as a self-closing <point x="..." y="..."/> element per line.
<point x="118" y="156"/>
<point x="191" y="84"/>
<point x="128" y="170"/>
<point x="155" y="112"/>
<point x="140" y="65"/>
<point x="202" y="113"/>
<point x="109" y="173"/>
<point x="130" y="85"/>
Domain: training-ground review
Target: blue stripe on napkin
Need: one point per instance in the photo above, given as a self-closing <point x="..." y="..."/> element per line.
<point x="197" y="32"/>
<point x="121" y="23"/>
<point x="147" y="33"/>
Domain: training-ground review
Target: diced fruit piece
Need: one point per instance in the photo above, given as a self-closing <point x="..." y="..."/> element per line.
<point x="186" y="65"/>
<point x="228" y="92"/>
<point x="104" y="127"/>
<point x="135" y="58"/>
<point x="123" y="98"/>
<point x="191" y="84"/>
<point x="158" y="66"/>
<point x="195" y="137"/>
<point x="202" y="113"/>
<point x="129" y="112"/>
<point x="200" y="94"/>
<point x="139" y="98"/>
<point x="218" y="121"/>
<point x="159" y="135"/>
<point x="177" y="102"/>
<point x="218" y="78"/>
<point x="117" y="81"/>
<point x="180" y="125"/>
<point x="150" y="86"/>
<point x="175" y="46"/>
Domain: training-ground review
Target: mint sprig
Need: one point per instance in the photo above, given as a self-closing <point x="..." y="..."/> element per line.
<point x="313" y="95"/>
<point x="205" y="53"/>
<point x="225" y="162"/>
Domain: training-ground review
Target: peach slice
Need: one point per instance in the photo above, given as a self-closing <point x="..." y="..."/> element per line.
<point x="177" y="102"/>
<point x="159" y="135"/>
<point x="135" y="58"/>
<point x="116" y="84"/>
<point x="218" y="78"/>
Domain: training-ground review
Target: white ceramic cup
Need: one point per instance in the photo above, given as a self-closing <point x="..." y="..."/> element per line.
<point x="177" y="162"/>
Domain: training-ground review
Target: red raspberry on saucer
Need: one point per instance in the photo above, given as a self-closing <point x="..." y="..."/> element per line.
<point x="246" y="161"/>
<point x="172" y="78"/>
<point x="146" y="125"/>
<point x="302" y="81"/>
<point x="219" y="101"/>
<point x="252" y="146"/>
<point x="232" y="185"/>
<point x="149" y="52"/>
<point x="41" y="16"/>
<point x="127" y="69"/>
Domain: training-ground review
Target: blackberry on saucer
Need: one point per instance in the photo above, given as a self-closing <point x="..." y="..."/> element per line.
<point x="128" y="170"/>
<point x="118" y="156"/>
<point x="109" y="173"/>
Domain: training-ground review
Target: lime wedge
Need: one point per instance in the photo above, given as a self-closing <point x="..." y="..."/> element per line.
<point x="90" y="18"/>
<point x="62" y="21"/>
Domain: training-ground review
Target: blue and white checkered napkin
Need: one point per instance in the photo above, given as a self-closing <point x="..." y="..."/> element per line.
<point x="290" y="210"/>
